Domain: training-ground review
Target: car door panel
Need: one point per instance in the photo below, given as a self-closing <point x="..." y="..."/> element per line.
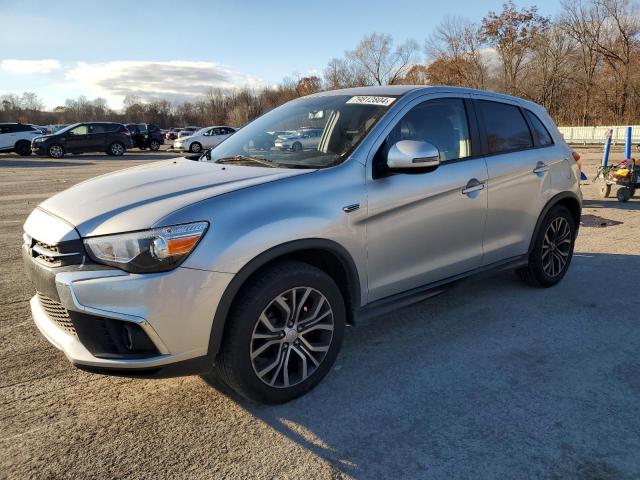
<point x="422" y="228"/>
<point x="519" y="182"/>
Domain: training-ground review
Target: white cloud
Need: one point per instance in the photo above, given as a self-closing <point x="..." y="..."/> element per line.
<point x="171" y="80"/>
<point x="29" y="66"/>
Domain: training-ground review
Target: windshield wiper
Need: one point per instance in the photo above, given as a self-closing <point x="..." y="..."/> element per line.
<point x="245" y="158"/>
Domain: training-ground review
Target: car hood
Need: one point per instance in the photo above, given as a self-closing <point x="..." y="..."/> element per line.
<point x="137" y="198"/>
<point x="182" y="139"/>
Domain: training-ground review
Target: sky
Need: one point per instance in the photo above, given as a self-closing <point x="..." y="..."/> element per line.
<point x="178" y="49"/>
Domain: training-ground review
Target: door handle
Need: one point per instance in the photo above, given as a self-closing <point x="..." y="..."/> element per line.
<point x="473" y="185"/>
<point x="541" y="167"/>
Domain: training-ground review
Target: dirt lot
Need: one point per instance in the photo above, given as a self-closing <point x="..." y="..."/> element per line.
<point x="492" y="379"/>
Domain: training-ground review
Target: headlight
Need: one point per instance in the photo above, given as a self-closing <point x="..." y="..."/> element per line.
<point x="156" y="250"/>
<point x="38" y="140"/>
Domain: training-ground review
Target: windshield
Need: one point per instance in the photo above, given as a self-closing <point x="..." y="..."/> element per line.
<point x="316" y="132"/>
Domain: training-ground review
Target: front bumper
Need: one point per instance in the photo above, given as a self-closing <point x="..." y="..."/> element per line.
<point x="174" y="309"/>
<point x="38" y="148"/>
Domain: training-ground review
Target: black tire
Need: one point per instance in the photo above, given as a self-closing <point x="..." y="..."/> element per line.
<point x="23" y="148"/>
<point x="296" y="147"/>
<point x="535" y="273"/>
<point x="195" y="147"/>
<point x="116" y="149"/>
<point x="605" y="189"/>
<point x="624" y="194"/>
<point x="55" y="151"/>
<point x="154" y="145"/>
<point x="234" y="365"/>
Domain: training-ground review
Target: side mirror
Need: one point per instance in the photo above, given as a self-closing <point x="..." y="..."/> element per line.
<point x="412" y="154"/>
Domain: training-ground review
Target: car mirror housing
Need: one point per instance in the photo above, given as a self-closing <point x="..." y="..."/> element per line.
<point x="412" y="154"/>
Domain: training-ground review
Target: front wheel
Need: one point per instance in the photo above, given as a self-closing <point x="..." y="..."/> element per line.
<point x="195" y="147"/>
<point x="296" y="147"/>
<point x="55" y="151"/>
<point x="552" y="249"/>
<point x="605" y="189"/>
<point x="116" y="149"/>
<point x="283" y="334"/>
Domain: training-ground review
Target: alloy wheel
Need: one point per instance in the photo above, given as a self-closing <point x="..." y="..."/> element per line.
<point x="291" y="337"/>
<point x="556" y="247"/>
<point x="56" y="151"/>
<point x="117" y="149"/>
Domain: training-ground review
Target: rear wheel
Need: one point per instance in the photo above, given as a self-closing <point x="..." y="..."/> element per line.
<point x="283" y="334"/>
<point x="552" y="249"/>
<point x="55" y="151"/>
<point x="116" y="149"/>
<point x="23" y="148"/>
<point x="154" y="145"/>
<point x="624" y="194"/>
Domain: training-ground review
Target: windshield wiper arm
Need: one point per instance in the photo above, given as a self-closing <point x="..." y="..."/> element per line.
<point x="246" y="158"/>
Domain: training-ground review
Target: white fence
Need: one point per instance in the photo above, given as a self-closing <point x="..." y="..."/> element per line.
<point x="586" y="135"/>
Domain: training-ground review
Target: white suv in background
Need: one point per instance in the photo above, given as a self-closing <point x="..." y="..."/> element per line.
<point x="207" y="137"/>
<point x="16" y="137"/>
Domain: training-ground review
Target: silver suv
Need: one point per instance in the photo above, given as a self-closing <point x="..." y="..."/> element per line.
<point x="251" y="262"/>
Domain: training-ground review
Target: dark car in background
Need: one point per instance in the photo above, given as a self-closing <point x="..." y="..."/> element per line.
<point x="111" y="138"/>
<point x="146" y="135"/>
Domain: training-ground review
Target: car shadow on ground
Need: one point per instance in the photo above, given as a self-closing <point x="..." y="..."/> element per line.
<point x="632" y="204"/>
<point x="492" y="379"/>
<point x="14" y="163"/>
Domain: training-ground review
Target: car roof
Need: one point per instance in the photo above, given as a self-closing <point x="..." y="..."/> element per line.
<point x="404" y="89"/>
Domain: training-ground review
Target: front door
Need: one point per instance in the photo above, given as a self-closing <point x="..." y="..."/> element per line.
<point x="76" y="139"/>
<point x="428" y="226"/>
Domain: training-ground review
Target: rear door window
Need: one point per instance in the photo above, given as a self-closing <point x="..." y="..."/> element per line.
<point x="540" y="132"/>
<point x="505" y="128"/>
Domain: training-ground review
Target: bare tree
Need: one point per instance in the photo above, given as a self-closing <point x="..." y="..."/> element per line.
<point x="456" y="49"/>
<point x="382" y="63"/>
<point x="513" y="33"/>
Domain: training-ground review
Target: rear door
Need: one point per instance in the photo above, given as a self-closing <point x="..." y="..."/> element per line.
<point x="6" y="136"/>
<point x="518" y="178"/>
<point x="96" y="137"/>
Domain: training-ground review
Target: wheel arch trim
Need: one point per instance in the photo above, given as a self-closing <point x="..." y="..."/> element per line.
<point x="273" y="254"/>
<point x="555" y="200"/>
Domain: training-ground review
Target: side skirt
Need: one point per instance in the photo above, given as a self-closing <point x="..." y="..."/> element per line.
<point x="409" y="297"/>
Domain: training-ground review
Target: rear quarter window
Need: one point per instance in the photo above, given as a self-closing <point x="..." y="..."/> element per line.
<point x="505" y="128"/>
<point x="540" y="132"/>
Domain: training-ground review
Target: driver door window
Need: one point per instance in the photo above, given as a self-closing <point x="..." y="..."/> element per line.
<point x="79" y="130"/>
<point x="441" y="122"/>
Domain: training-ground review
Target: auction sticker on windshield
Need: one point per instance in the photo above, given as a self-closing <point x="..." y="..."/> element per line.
<point x="371" y="100"/>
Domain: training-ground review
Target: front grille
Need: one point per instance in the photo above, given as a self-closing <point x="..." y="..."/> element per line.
<point x="56" y="313"/>
<point x="65" y="253"/>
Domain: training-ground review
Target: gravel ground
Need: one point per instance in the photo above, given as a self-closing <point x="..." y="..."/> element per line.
<point x="492" y="379"/>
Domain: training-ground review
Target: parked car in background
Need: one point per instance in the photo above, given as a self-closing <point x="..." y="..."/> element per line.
<point x="17" y="137"/>
<point x="172" y="134"/>
<point x="42" y="129"/>
<point x="146" y="135"/>
<point x="187" y="131"/>
<point x="252" y="265"/>
<point x="111" y="138"/>
<point x="204" y="138"/>
<point x="305" y="138"/>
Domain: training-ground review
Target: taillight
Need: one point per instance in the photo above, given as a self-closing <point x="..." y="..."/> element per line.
<point x="576" y="157"/>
